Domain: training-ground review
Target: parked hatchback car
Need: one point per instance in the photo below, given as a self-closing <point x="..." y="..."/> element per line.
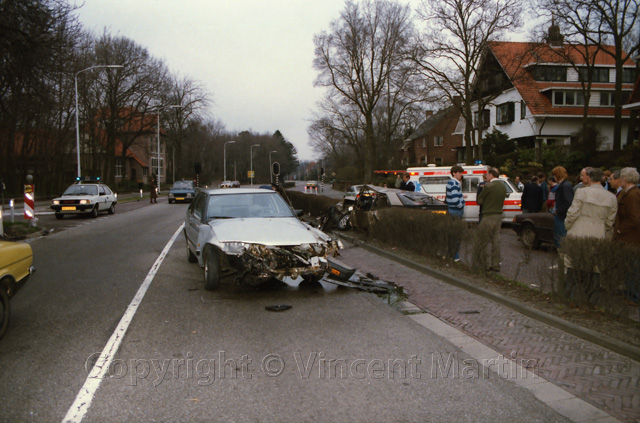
<point x="371" y="198"/>
<point x="254" y="234"/>
<point x="182" y="191"/>
<point x="534" y="228"/>
<point x="16" y="265"/>
<point x="87" y="196"/>
<point x="351" y="193"/>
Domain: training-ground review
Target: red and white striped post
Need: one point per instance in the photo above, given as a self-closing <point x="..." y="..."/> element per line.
<point x="29" y="202"/>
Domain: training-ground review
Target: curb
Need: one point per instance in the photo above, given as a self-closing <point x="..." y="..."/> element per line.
<point x="602" y="340"/>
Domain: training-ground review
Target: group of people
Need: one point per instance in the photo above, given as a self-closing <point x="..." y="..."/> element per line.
<point x="602" y="205"/>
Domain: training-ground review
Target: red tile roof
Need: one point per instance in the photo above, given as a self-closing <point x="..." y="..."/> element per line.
<point x="514" y="57"/>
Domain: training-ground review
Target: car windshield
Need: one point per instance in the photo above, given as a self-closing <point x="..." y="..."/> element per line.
<point x="81" y="190"/>
<point x="409" y="198"/>
<point x="183" y="185"/>
<point x="247" y="205"/>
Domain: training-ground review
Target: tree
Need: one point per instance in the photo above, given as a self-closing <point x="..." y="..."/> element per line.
<point x="357" y="59"/>
<point x="453" y="44"/>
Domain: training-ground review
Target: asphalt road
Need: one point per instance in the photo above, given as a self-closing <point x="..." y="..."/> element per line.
<point x="193" y="355"/>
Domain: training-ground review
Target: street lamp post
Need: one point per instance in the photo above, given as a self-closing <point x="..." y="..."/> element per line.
<point x="173" y="106"/>
<point x="224" y="149"/>
<point x="270" y="169"/>
<point x="251" y="152"/>
<point x="75" y="78"/>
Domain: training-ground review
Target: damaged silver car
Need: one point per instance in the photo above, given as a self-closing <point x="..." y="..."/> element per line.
<point x="254" y="235"/>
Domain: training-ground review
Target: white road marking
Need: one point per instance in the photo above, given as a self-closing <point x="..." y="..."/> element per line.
<point x="84" y="398"/>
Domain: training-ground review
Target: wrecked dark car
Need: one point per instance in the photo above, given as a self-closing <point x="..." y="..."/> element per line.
<point x="371" y="198"/>
<point x="534" y="228"/>
<point x="254" y="235"/>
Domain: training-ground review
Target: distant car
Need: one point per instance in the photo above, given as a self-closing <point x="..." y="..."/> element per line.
<point x="87" y="196"/>
<point x="230" y="184"/>
<point x="182" y="191"/>
<point x="16" y="265"/>
<point x="371" y="198"/>
<point x="350" y="194"/>
<point x="312" y="184"/>
<point x="254" y="234"/>
<point x="534" y="228"/>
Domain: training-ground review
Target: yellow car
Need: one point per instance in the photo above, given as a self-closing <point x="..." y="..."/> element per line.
<point x="16" y="265"/>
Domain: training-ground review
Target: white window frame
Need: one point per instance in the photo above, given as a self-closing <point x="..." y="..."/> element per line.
<point x="438" y="141"/>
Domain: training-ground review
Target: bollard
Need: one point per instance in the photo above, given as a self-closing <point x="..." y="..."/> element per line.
<point x="140" y="192"/>
<point x="13" y="217"/>
<point x="316" y="190"/>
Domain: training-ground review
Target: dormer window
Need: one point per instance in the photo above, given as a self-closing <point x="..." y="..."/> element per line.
<point x="598" y="74"/>
<point x="568" y="98"/>
<point x="549" y="73"/>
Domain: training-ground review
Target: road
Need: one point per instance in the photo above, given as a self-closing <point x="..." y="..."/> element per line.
<point x="193" y="355"/>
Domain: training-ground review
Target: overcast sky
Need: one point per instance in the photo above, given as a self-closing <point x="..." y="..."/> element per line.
<point x="253" y="56"/>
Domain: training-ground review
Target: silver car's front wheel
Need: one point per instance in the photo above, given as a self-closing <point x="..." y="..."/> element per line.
<point x="211" y="269"/>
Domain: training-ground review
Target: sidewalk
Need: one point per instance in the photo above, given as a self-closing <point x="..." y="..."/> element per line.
<point x="576" y="369"/>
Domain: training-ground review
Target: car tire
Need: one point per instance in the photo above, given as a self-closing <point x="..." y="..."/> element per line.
<point x="529" y="237"/>
<point x="190" y="256"/>
<point x="345" y="222"/>
<point x="94" y="211"/>
<point x="211" y="269"/>
<point x="112" y="209"/>
<point x="5" y="311"/>
<point x="170" y="201"/>
<point x="59" y="216"/>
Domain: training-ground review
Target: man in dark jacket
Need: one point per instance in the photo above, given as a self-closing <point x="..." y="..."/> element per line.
<point x="406" y="184"/>
<point x="532" y="196"/>
<point x="564" y="198"/>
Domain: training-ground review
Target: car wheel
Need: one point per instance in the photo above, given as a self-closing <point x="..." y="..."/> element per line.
<point x="211" y="269"/>
<point x="529" y="237"/>
<point x="94" y="211"/>
<point x="4" y="311"/>
<point x="59" y="216"/>
<point x="112" y="209"/>
<point x="170" y="201"/>
<point x="190" y="256"/>
<point x="344" y="222"/>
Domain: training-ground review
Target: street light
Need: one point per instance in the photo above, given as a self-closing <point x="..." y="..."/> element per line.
<point x="270" y="168"/>
<point x="251" y="152"/>
<point x="75" y="78"/>
<point x="173" y="106"/>
<point x="225" y="157"/>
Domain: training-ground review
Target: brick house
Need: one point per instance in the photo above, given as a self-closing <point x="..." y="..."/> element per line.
<point x="435" y="141"/>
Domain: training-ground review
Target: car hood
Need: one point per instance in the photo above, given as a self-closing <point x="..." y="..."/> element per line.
<point x="278" y="231"/>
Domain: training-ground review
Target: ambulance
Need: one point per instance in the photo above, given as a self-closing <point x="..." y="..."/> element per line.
<point x="433" y="180"/>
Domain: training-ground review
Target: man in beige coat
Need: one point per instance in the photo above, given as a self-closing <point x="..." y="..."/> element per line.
<point x="593" y="210"/>
<point x="591" y="215"/>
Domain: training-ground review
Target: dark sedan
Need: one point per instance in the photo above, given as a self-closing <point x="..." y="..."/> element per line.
<point x="182" y="191"/>
<point x="372" y="198"/>
<point x="534" y="228"/>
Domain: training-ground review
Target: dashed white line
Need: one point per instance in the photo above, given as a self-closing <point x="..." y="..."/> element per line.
<point x="83" y="400"/>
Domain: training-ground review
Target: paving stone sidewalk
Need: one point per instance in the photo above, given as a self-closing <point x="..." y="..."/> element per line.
<point x="605" y="379"/>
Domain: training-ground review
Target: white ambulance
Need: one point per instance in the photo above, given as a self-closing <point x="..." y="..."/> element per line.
<point x="433" y="180"/>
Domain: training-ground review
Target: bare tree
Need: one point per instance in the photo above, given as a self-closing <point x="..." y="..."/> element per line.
<point x="357" y="57"/>
<point x="453" y="44"/>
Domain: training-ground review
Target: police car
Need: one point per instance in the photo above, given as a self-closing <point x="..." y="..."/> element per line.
<point x="86" y="196"/>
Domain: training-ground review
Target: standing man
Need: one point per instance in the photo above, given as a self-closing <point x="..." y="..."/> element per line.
<point x="627" y="225"/>
<point x="454" y="199"/>
<point x="532" y="196"/>
<point x="564" y="198"/>
<point x="406" y="184"/>
<point x="519" y="183"/>
<point x="491" y="199"/>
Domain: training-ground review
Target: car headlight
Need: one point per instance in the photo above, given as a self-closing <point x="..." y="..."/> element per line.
<point x="84" y="202"/>
<point x="56" y="202"/>
<point x="234" y="247"/>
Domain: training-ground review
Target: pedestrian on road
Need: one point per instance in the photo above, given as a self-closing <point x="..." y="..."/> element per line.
<point x="406" y="184"/>
<point x="519" y="183"/>
<point x="615" y="183"/>
<point x="491" y="199"/>
<point x="480" y="188"/>
<point x="627" y="225"/>
<point x="591" y="215"/>
<point x="398" y="181"/>
<point x="553" y="186"/>
<point x="564" y="198"/>
<point x="584" y="179"/>
<point x="154" y="192"/>
<point x="542" y="181"/>
<point x="455" y="199"/>
<point x="532" y="196"/>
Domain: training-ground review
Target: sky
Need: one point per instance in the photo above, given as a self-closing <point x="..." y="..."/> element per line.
<point x="254" y="57"/>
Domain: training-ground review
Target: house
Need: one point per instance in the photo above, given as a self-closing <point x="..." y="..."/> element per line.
<point x="634" y="108"/>
<point x="533" y="92"/>
<point x="434" y="142"/>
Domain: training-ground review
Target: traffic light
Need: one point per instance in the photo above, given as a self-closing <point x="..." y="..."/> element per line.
<point x="197" y="168"/>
